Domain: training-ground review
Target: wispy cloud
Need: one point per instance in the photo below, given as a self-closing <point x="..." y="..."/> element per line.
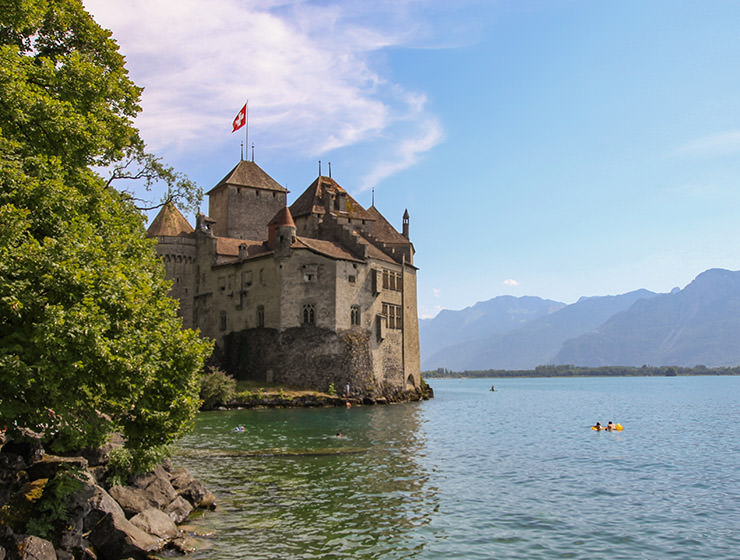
<point x="721" y="144"/>
<point x="511" y="282"/>
<point x="312" y="73"/>
<point x="436" y="292"/>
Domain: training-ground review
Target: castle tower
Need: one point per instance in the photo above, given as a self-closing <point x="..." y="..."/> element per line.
<point x="406" y="223"/>
<point x="176" y="248"/>
<point x="244" y="201"/>
<point x="282" y="233"/>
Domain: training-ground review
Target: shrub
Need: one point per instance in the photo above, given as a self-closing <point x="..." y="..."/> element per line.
<point x="216" y="388"/>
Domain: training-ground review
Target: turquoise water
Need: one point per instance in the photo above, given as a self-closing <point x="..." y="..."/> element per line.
<point x="516" y="473"/>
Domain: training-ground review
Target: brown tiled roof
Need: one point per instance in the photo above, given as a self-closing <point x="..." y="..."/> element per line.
<point x="282" y="218"/>
<point x="384" y="231"/>
<point x="229" y="247"/>
<point x="327" y="248"/>
<point x="249" y="174"/>
<point x="169" y="222"/>
<point x="310" y="202"/>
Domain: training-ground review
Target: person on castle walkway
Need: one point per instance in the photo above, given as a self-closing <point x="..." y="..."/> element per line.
<point x="346" y="390"/>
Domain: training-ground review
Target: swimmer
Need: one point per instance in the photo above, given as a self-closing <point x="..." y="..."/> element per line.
<point x="610" y="426"/>
<point x="598" y="426"/>
<point x="339" y="434"/>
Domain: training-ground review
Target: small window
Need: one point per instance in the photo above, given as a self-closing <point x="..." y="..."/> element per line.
<point x="351" y="279"/>
<point x="260" y="315"/>
<point x="355" y="314"/>
<point x="222" y="320"/>
<point x="309" y="314"/>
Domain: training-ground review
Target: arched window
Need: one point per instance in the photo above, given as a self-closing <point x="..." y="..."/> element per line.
<point x="354" y="314"/>
<point x="309" y="314"/>
<point x="260" y="315"/>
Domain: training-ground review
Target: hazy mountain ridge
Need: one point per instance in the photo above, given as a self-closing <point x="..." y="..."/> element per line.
<point x="697" y="325"/>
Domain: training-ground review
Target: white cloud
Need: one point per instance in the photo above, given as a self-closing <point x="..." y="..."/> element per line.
<point x="436" y="292"/>
<point x="511" y="282"/>
<point x="720" y="144"/>
<point x="309" y="72"/>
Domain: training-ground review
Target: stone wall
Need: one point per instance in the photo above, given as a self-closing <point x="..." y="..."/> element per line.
<point x="243" y="212"/>
<point x="179" y="257"/>
<point x="302" y="357"/>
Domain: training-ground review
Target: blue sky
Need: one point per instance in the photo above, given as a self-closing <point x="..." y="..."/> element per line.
<point x="556" y="148"/>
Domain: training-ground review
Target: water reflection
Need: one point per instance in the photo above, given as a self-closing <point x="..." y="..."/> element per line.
<point x="289" y="487"/>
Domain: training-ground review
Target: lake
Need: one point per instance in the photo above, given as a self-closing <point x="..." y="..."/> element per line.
<point x="515" y="473"/>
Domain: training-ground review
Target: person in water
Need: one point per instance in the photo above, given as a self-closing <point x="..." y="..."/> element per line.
<point x="598" y="426"/>
<point x="610" y="426"/>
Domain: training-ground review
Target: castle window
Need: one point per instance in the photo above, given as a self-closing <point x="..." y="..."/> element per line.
<point x="260" y="315"/>
<point x="354" y="314"/>
<point x="393" y="315"/>
<point x="246" y="279"/>
<point x="351" y="278"/>
<point x="392" y="280"/>
<point x="310" y="272"/>
<point x="309" y="314"/>
<point x="222" y="321"/>
<point x="222" y="283"/>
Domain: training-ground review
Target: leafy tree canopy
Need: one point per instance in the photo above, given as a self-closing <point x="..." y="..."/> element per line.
<point x="89" y="341"/>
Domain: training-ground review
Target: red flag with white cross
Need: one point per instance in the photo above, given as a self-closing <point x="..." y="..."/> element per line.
<point x="240" y="119"/>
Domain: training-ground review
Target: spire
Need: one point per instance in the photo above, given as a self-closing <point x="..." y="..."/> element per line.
<point x="406" y="223"/>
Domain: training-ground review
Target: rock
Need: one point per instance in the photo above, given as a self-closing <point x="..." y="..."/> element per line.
<point x="179" y="509"/>
<point x="35" y="548"/>
<point x="49" y="465"/>
<point x="132" y="500"/>
<point x="101" y="455"/>
<point x="155" y="522"/>
<point x="192" y="490"/>
<point x="2" y="553"/>
<point x="157" y="487"/>
<point x="116" y="537"/>
<point x="101" y="503"/>
<point x="64" y="555"/>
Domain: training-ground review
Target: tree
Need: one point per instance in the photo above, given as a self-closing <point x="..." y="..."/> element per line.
<point x="90" y="343"/>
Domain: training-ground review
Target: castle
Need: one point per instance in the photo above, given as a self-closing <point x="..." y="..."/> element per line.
<point x="322" y="292"/>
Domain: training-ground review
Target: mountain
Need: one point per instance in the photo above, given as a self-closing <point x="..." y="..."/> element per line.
<point x="486" y="318"/>
<point x="533" y="343"/>
<point x="699" y="325"/>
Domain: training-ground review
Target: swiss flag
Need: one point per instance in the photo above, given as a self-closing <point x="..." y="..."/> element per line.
<point x="240" y="119"/>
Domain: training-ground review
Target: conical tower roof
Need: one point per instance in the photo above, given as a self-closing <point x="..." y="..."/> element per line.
<point x="169" y="222"/>
<point x="249" y="174"/>
<point x="282" y="218"/>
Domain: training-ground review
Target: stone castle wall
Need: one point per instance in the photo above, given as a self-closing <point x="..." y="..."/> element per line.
<point x="302" y="357"/>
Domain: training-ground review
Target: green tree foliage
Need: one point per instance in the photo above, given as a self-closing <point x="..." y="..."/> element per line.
<point x="216" y="388"/>
<point x="89" y="341"/>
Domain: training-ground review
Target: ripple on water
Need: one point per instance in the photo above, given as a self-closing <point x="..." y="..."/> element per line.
<point x="515" y="474"/>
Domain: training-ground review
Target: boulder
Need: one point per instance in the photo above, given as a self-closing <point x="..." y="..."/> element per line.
<point x="179" y="509"/>
<point x="49" y="465"/>
<point x="101" y="503"/>
<point x="132" y="500"/>
<point x="155" y="522"/>
<point x="192" y="490"/>
<point x="116" y="537"/>
<point x="157" y="487"/>
<point x="35" y="548"/>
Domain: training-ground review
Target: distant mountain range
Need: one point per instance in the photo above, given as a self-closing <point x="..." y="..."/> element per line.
<point x="697" y="325"/>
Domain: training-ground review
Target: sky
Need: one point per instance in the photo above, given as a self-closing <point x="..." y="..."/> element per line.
<point x="546" y="148"/>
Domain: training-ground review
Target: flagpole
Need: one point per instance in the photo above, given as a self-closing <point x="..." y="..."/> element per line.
<point x="246" y="123"/>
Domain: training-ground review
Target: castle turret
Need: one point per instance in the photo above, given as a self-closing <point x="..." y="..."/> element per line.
<point x="406" y="223"/>
<point x="282" y="233"/>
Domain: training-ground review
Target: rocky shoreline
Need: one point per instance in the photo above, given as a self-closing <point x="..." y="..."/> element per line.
<point x="62" y="508"/>
<point x="308" y="399"/>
